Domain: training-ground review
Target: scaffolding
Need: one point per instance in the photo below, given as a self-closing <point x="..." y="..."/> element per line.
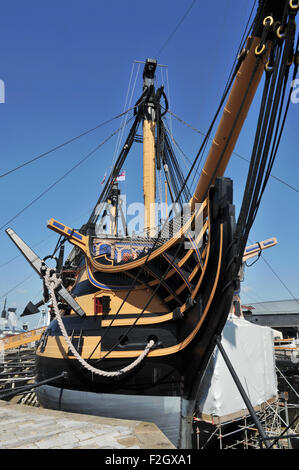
<point x="242" y="433"/>
<point x="17" y="369"/>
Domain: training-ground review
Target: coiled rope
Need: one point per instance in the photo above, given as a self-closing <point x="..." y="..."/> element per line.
<point x="52" y="282"/>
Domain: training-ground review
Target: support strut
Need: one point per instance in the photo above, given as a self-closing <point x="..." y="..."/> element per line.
<point x="27" y="388"/>
<point x="243" y="394"/>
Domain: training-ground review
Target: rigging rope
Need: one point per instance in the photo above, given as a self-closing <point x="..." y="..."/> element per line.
<point x="126" y="115"/>
<point x="133" y="132"/>
<point x="142" y="311"/>
<point x="61" y="178"/>
<point x="280" y="280"/>
<point x="293" y="188"/>
<point x="187" y="162"/>
<point x="207" y="136"/>
<point x="177" y="198"/>
<point x="205" y="140"/>
<point x="185" y="181"/>
<point x="234" y="124"/>
<point x="115" y="170"/>
<point x="44" y="154"/>
<point x="175" y="29"/>
<point x="19" y="284"/>
<point x="273" y="94"/>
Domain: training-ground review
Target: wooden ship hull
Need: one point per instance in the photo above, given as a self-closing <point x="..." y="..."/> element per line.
<point x="138" y="316"/>
<point x="184" y="336"/>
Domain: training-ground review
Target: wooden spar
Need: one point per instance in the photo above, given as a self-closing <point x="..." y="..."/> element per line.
<point x="213" y="166"/>
<point x="166" y="207"/>
<point x="149" y="148"/>
<point x="113" y="221"/>
<point x="149" y="175"/>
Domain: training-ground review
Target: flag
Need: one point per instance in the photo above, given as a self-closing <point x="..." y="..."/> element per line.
<point x="121" y="176"/>
<point x="103" y="180"/>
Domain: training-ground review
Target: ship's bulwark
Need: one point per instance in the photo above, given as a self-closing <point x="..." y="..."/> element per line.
<point x="165" y="385"/>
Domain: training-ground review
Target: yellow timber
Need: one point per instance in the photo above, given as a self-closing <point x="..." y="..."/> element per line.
<point x="149" y="175"/>
<point x="113" y="221"/>
<point x="15" y="341"/>
<point x="231" y="122"/>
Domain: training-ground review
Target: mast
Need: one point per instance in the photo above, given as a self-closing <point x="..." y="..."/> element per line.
<point x="149" y="152"/>
<point x="4" y="313"/>
<point x="242" y="93"/>
<point x="114" y="201"/>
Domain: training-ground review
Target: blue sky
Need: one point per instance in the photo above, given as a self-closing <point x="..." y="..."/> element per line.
<point x="66" y="67"/>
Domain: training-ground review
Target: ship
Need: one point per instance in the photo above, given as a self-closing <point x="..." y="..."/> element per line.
<point x="136" y="316"/>
<point x="8" y="322"/>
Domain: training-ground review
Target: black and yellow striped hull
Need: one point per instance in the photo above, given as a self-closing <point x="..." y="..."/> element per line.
<point x="184" y="318"/>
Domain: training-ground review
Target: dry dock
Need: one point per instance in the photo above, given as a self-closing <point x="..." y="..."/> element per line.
<point x="25" y="427"/>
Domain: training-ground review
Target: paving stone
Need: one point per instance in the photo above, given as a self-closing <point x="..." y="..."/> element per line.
<point x="11" y="421"/>
<point x="81" y="435"/>
<point x="128" y="442"/>
<point x="19" y="440"/>
<point x="74" y="427"/>
<point x="24" y="427"/>
<point x="37" y="424"/>
<point x="109" y="441"/>
<point x="66" y="446"/>
<point x="29" y="446"/>
<point x="69" y="422"/>
<point x="99" y="431"/>
<point x="40" y="431"/>
<point x="124" y="430"/>
<point x="57" y="440"/>
<point x="96" y="441"/>
<point x="7" y="436"/>
<point x="27" y="424"/>
<point x="87" y="446"/>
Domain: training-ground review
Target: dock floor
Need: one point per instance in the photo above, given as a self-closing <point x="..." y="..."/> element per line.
<point x="26" y="427"/>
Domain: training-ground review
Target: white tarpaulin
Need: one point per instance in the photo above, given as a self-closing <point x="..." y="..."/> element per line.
<point x="250" y="349"/>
